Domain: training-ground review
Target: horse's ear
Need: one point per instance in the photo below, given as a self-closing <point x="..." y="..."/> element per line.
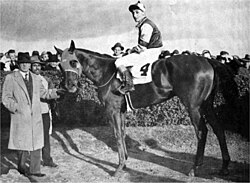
<point x="59" y="51"/>
<point x="72" y="47"/>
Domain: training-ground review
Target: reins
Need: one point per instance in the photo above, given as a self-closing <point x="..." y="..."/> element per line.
<point x="107" y="81"/>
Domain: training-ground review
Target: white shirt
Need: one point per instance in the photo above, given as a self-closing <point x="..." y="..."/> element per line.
<point x="146" y="33"/>
<point x="24" y="73"/>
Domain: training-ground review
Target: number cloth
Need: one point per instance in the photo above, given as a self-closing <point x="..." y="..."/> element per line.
<point x="139" y="63"/>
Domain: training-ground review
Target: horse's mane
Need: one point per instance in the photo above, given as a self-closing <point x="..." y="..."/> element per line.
<point x="103" y="60"/>
<point x="103" y="56"/>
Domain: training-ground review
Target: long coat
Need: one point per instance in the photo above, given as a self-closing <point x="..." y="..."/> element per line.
<point x="26" y="128"/>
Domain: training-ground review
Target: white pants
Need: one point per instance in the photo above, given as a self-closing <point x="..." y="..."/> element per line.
<point x="138" y="60"/>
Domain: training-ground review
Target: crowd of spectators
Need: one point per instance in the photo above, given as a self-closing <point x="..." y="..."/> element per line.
<point x="50" y="61"/>
<point x="233" y="61"/>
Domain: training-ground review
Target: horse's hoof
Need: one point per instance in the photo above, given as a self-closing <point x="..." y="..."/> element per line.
<point x="117" y="173"/>
<point x="224" y="172"/>
<point x="124" y="167"/>
<point x="119" y="170"/>
<point x="192" y="173"/>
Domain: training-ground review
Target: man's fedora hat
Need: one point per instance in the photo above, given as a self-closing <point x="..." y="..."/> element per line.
<point x="53" y="58"/>
<point x="117" y="45"/>
<point x="225" y="54"/>
<point x="23" y="57"/>
<point x="205" y="51"/>
<point x="35" y="52"/>
<point x="246" y="58"/>
<point x="35" y="59"/>
<point x="138" y="5"/>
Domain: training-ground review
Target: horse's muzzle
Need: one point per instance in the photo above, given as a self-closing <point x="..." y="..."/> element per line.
<point x="70" y="82"/>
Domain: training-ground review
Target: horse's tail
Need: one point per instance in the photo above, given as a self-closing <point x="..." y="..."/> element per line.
<point x="224" y="81"/>
<point x="225" y="84"/>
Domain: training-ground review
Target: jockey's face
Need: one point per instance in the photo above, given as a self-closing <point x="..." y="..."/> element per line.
<point x="138" y="15"/>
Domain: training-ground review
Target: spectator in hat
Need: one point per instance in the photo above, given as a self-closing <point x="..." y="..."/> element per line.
<point x="52" y="64"/>
<point x="44" y="56"/>
<point x="165" y="54"/>
<point x="12" y="55"/>
<point x="206" y="53"/>
<point x="35" y="52"/>
<point x="148" y="47"/>
<point x="10" y="61"/>
<point x="246" y="61"/>
<point x="118" y="50"/>
<point x="224" y="57"/>
<point x="175" y="52"/>
<point x="187" y="52"/>
<point x="36" y="66"/>
<point x="21" y="95"/>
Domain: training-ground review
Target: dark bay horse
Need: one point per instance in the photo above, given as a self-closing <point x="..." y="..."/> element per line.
<point x="193" y="79"/>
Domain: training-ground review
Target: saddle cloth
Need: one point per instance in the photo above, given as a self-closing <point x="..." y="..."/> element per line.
<point x="142" y="73"/>
<point x="141" y="64"/>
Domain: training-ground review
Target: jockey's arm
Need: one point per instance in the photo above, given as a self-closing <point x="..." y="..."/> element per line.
<point x="146" y="33"/>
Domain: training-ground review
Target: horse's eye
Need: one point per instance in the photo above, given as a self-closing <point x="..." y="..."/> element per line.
<point x="73" y="63"/>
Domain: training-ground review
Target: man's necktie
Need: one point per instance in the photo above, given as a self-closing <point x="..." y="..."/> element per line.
<point x="26" y="77"/>
<point x="28" y="85"/>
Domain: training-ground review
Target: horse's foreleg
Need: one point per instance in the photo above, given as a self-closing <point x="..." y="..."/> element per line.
<point x="124" y="135"/>
<point x="122" y="152"/>
<point x="200" y="148"/>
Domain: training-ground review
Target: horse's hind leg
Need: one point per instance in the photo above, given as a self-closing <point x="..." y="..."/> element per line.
<point x="201" y="133"/>
<point x="220" y="133"/>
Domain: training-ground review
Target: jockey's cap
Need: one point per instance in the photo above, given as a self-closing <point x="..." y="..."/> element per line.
<point x="138" y="5"/>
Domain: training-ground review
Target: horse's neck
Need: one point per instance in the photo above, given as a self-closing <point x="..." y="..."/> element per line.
<point x="100" y="69"/>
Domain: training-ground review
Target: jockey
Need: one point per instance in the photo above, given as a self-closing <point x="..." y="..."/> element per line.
<point x="149" y="46"/>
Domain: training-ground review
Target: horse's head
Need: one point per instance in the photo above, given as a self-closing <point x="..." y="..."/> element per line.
<point x="99" y="68"/>
<point x="71" y="67"/>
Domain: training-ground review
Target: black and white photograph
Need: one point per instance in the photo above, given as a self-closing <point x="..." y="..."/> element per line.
<point x="124" y="90"/>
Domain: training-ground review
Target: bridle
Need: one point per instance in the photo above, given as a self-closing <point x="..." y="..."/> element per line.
<point x="100" y="86"/>
<point x="78" y="71"/>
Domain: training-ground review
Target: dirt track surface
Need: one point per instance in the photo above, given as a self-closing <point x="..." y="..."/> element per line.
<point x="156" y="154"/>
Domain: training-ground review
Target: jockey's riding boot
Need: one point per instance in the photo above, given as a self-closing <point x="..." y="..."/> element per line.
<point x="128" y="84"/>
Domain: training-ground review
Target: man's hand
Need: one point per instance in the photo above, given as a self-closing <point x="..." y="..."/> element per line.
<point x="61" y="91"/>
<point x="136" y="49"/>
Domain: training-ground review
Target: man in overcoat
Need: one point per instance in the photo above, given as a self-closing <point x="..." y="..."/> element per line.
<point x="21" y="95"/>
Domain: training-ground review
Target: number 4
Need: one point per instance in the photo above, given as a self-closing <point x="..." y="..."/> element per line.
<point x="144" y="69"/>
